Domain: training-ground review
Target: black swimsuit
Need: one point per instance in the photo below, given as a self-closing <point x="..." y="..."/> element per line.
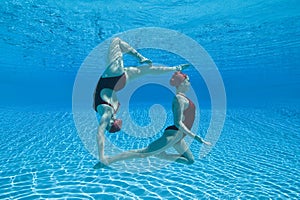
<point x="114" y="83"/>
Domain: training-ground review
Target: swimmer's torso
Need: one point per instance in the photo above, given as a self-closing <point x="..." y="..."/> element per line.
<point x="106" y="88"/>
<point x="188" y="113"/>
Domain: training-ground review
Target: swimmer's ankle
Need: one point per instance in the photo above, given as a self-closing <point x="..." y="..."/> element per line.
<point x="145" y="60"/>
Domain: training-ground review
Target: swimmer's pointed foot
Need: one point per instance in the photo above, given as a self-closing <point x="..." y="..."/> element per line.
<point x="145" y="60"/>
<point x="100" y="165"/>
<point x="207" y="143"/>
<point x="182" y="67"/>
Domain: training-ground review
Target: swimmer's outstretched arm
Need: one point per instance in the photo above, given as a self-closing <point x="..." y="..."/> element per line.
<point x="135" y="72"/>
<point x="178" y="116"/>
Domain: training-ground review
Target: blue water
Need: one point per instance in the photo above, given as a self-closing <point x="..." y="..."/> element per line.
<point x="256" y="47"/>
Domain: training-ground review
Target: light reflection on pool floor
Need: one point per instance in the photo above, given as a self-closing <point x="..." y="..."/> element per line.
<point x="257" y="156"/>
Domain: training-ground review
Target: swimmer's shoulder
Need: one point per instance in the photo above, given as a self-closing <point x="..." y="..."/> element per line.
<point x="180" y="99"/>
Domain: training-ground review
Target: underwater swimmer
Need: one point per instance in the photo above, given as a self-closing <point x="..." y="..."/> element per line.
<point x="184" y="114"/>
<point x="114" y="79"/>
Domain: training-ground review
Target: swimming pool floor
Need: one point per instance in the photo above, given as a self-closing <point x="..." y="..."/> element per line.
<point x="256" y="157"/>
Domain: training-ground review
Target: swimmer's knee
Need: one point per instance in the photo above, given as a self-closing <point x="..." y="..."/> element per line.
<point x="189" y="158"/>
<point x="116" y="40"/>
<point x="190" y="161"/>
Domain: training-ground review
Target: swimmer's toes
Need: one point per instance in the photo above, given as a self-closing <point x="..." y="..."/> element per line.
<point x="145" y="60"/>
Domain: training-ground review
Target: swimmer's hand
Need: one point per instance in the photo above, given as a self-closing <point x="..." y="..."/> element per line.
<point x="182" y="67"/>
<point x="199" y="139"/>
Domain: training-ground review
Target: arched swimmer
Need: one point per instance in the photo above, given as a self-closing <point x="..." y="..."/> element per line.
<point x="184" y="114"/>
<point x="114" y="78"/>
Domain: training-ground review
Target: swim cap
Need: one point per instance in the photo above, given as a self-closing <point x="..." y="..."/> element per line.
<point x="177" y="78"/>
<point x="116" y="126"/>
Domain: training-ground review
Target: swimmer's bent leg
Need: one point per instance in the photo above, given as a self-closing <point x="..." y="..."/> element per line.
<point x="156" y="147"/>
<point x="124" y="47"/>
<point x="185" y="155"/>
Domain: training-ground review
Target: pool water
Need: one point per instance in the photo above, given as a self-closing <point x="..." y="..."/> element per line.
<point x="256" y="48"/>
